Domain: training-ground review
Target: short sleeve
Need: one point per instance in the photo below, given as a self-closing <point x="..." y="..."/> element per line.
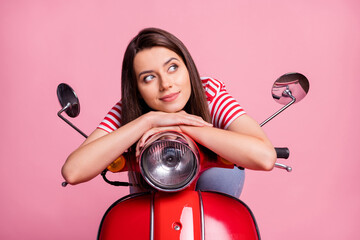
<point x="112" y="120"/>
<point x="224" y="109"/>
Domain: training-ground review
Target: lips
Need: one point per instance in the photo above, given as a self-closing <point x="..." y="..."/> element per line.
<point x="170" y="97"/>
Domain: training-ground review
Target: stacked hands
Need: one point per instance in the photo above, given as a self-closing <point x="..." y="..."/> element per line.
<point x="162" y="121"/>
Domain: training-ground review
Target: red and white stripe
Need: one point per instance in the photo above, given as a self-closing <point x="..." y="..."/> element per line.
<point x="224" y="109"/>
<point x="211" y="87"/>
<point x="112" y="120"/>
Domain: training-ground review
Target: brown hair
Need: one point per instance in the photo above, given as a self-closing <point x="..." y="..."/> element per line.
<point x="133" y="106"/>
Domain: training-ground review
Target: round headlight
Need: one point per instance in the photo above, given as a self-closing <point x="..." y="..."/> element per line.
<point x="169" y="163"/>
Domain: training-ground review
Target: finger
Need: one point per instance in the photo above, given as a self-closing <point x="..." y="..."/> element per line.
<point x="140" y="145"/>
<point x="162" y="119"/>
<point x="142" y="140"/>
<point x="148" y="134"/>
<point x="195" y="121"/>
<point x="137" y="152"/>
<point x="198" y="119"/>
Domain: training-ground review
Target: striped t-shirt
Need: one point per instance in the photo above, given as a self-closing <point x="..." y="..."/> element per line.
<point x="224" y="109"/>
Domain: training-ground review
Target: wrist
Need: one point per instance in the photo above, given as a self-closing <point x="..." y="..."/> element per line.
<point x="148" y="119"/>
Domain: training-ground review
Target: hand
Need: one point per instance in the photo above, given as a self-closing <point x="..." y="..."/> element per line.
<point x="162" y="119"/>
<point x="151" y="132"/>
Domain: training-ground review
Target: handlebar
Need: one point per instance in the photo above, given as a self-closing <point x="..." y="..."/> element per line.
<point x="282" y="152"/>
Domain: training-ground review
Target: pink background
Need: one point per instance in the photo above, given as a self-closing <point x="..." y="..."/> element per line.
<point x="247" y="44"/>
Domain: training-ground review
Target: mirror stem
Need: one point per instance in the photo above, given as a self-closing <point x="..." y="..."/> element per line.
<point x="68" y="122"/>
<point x="287" y="92"/>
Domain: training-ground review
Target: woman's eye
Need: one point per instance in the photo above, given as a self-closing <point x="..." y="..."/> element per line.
<point x="148" y="78"/>
<point x="173" y="68"/>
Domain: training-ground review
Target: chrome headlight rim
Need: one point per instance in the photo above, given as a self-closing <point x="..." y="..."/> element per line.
<point x="171" y="137"/>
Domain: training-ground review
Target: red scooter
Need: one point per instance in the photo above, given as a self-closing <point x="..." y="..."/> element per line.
<point x="171" y="162"/>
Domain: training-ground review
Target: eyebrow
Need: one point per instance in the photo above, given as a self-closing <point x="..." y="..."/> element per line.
<point x="150" y="71"/>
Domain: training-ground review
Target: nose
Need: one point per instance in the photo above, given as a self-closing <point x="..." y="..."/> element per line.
<point x="165" y="83"/>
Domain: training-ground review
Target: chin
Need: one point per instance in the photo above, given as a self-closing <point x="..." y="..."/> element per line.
<point x="173" y="109"/>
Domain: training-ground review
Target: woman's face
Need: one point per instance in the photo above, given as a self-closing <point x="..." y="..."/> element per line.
<point x="162" y="79"/>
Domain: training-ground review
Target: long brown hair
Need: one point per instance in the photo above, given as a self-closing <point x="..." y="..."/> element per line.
<point x="133" y="106"/>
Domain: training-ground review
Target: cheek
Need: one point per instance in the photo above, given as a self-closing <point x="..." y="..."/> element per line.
<point x="144" y="95"/>
<point x="147" y="95"/>
<point x="141" y="93"/>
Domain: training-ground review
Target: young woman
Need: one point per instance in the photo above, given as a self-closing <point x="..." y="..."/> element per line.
<point x="161" y="89"/>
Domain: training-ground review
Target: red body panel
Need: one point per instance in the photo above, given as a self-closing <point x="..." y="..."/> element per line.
<point x="178" y="216"/>
<point x="227" y="218"/>
<point x="127" y="219"/>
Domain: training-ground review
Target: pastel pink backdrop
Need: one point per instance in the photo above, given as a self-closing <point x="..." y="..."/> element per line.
<point x="247" y="44"/>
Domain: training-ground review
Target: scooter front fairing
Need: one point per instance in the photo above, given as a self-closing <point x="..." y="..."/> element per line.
<point x="181" y="215"/>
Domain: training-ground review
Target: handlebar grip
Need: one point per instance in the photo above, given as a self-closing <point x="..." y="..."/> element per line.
<point x="282" y="152"/>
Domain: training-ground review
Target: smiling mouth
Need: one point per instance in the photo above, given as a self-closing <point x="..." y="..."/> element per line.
<point x="170" y="97"/>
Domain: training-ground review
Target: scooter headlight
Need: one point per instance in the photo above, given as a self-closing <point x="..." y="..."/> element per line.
<point x="169" y="161"/>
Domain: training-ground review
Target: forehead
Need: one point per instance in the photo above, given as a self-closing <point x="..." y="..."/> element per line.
<point x="152" y="58"/>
